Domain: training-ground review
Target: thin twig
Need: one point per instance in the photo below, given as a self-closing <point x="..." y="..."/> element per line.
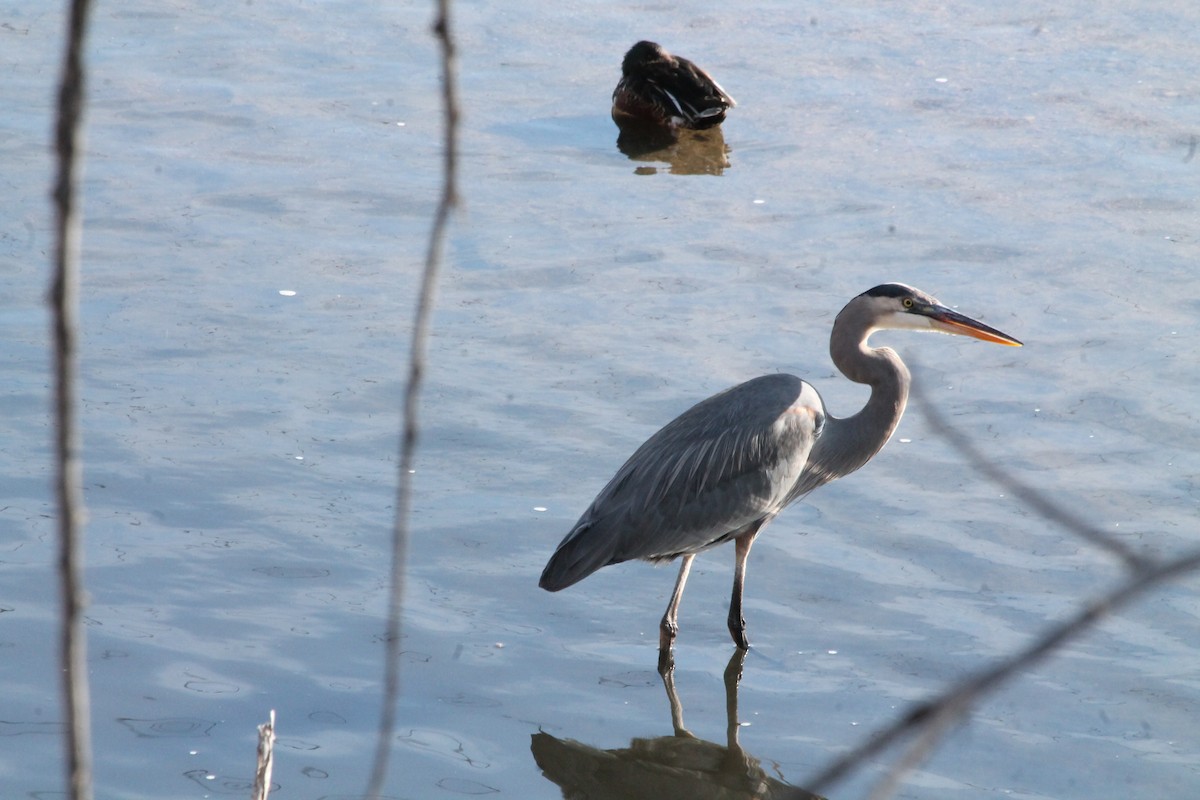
<point x="957" y="701"/>
<point x="408" y="444"/>
<point x="926" y="741"/>
<point x="64" y="301"/>
<point x="266" y="759"/>
<point x="930" y="720"/>
<point x="1026" y="494"/>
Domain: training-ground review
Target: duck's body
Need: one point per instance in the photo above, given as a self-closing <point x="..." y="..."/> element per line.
<point x="658" y="89"/>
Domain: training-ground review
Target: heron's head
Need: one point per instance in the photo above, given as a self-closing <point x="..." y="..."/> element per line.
<point x="900" y="307"/>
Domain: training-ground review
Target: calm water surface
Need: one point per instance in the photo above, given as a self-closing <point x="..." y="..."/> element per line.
<point x="1034" y="168"/>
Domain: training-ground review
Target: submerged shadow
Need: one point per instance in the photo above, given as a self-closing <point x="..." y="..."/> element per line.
<point x="685" y="152"/>
<point x="679" y="765"/>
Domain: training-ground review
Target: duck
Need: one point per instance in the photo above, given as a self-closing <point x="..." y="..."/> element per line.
<point x="660" y="90"/>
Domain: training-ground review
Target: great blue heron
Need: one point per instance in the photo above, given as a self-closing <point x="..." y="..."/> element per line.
<point x="659" y="89"/>
<point x="727" y="466"/>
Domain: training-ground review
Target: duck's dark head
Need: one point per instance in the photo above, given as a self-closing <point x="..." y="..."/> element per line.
<point x="642" y="54"/>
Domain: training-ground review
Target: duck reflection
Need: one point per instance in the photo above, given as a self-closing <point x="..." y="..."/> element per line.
<point x="675" y="766"/>
<point x="686" y="152"/>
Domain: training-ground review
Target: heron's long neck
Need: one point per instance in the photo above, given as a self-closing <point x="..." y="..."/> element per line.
<point x="852" y="441"/>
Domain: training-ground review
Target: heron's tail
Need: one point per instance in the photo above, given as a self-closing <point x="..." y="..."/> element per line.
<point x="578" y="556"/>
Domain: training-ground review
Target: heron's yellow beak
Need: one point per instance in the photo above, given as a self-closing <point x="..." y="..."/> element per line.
<point x="944" y="319"/>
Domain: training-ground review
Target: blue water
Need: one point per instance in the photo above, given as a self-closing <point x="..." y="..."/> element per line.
<point x="1034" y="168"/>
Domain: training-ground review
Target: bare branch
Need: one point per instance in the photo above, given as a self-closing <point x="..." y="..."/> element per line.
<point x="927" y="740"/>
<point x="958" y="699"/>
<point x="930" y="720"/>
<point x="64" y="301"/>
<point x="408" y="444"/>
<point x="266" y="759"/>
<point x="1026" y="494"/>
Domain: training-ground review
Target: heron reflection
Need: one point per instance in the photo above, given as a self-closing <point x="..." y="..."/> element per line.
<point x="680" y="765"/>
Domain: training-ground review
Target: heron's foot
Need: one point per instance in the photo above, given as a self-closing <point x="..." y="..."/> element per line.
<point x="737" y="630"/>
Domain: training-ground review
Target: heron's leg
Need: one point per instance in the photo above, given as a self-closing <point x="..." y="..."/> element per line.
<point x="669" y="627"/>
<point x="737" y="623"/>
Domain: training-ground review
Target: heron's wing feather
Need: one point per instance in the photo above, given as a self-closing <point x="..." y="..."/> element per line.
<point x="723" y="464"/>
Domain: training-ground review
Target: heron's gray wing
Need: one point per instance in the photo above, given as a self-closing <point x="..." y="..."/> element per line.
<point x="723" y="464"/>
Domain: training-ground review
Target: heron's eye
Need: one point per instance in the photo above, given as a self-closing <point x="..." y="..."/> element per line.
<point x="907" y="302"/>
